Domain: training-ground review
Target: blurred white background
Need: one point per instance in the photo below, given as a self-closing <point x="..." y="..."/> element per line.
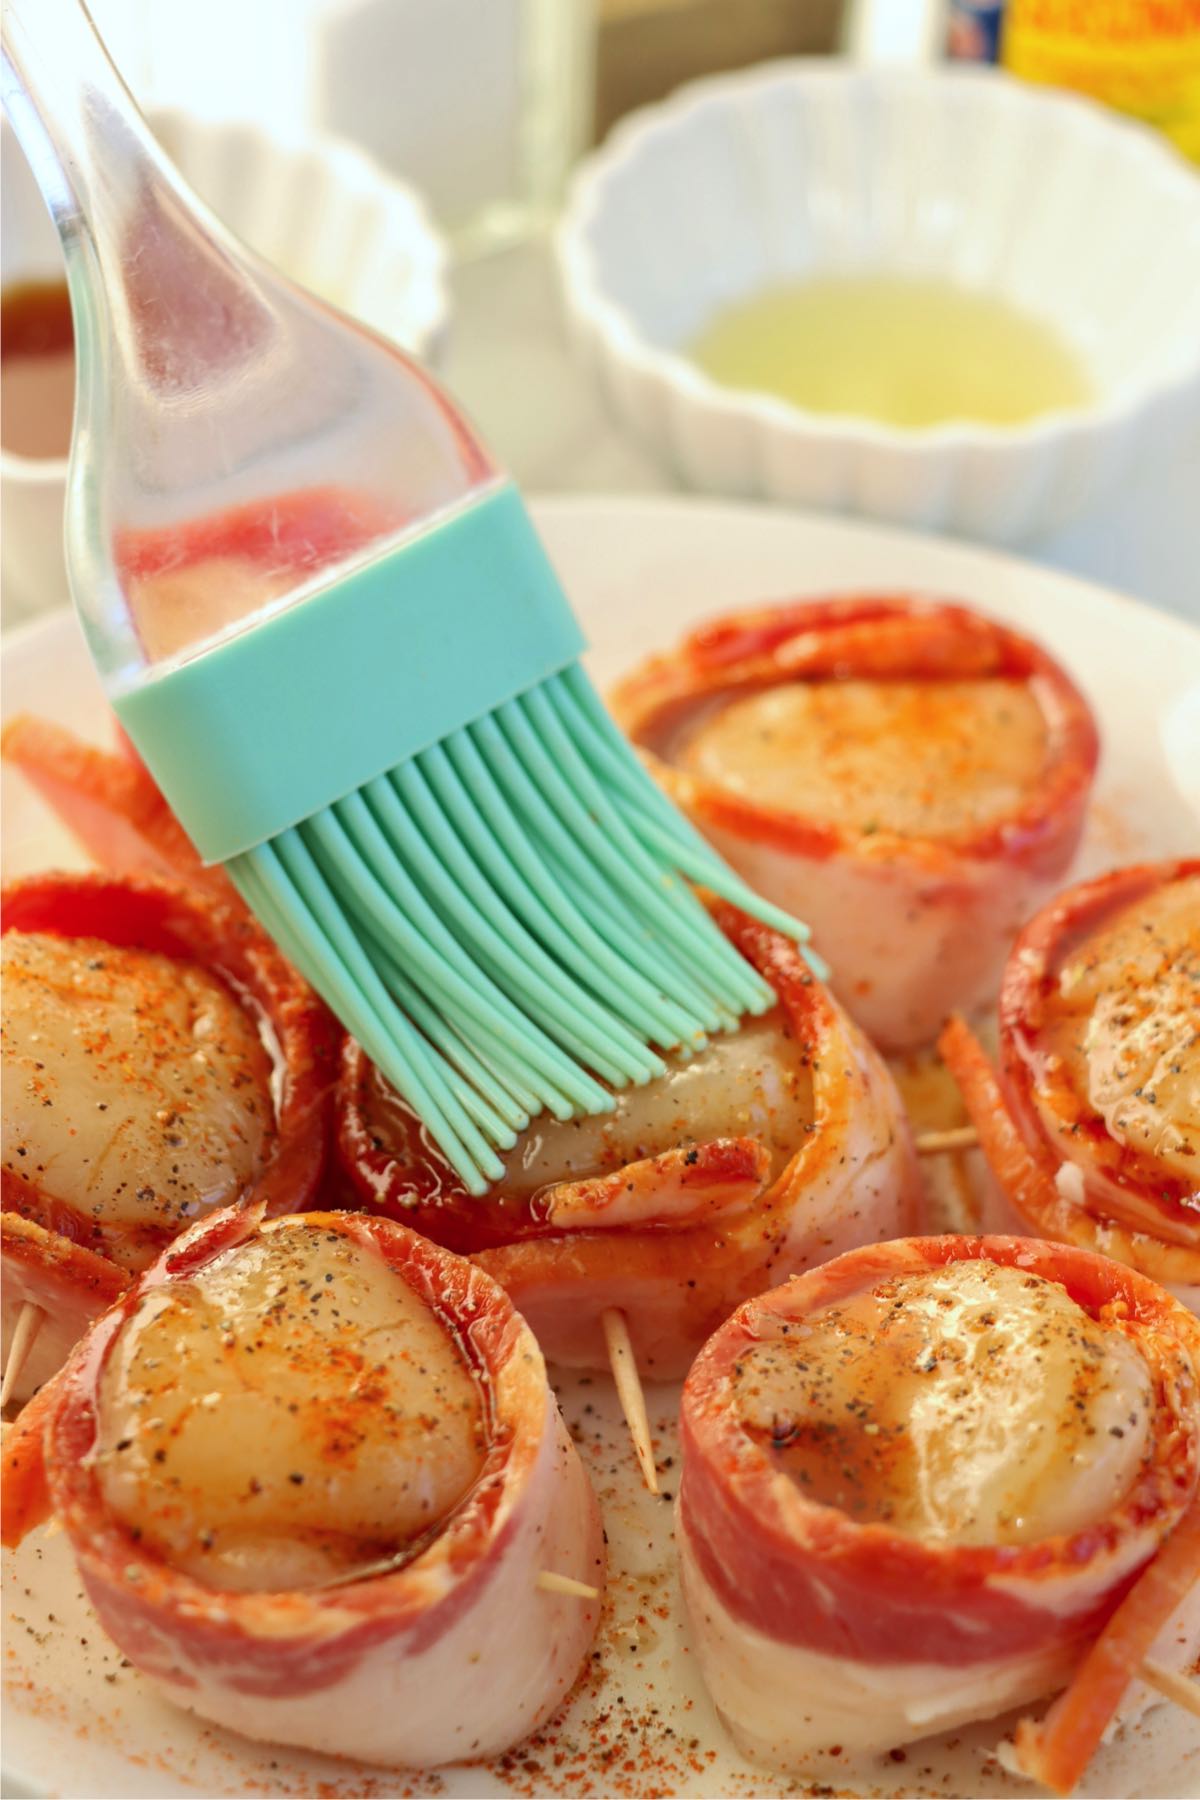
<point x="484" y="105"/>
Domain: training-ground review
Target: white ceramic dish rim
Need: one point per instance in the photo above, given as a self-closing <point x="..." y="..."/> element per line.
<point x="430" y="258"/>
<point x="617" y="326"/>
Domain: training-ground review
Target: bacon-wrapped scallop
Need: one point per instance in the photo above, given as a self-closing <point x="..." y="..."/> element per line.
<point x="312" y="1470"/>
<point x="920" y="1482"/>
<point x="160" y="1060"/>
<point x="907" y="776"/>
<point x="773" y="1149"/>
<point x="1092" y="1125"/>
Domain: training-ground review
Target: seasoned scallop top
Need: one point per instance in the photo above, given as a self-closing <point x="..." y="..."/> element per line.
<point x="290" y="1414"/>
<point x="921" y="758"/>
<point x="974" y="1403"/>
<point x="137" y="1087"/>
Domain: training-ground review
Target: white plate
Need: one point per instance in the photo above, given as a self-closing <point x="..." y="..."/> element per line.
<point x="80" y="1723"/>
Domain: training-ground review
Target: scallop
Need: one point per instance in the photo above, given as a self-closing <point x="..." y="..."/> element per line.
<point x="137" y="1088"/>
<point x="755" y="1082"/>
<point x="974" y="1404"/>
<point x="290" y="1415"/>
<point x="931" y="759"/>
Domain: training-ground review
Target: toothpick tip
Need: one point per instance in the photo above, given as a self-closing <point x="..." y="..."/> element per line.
<point x="934" y="1143"/>
<point x="553" y="1583"/>
<point x="29" y="1323"/>
<point x="629" y="1390"/>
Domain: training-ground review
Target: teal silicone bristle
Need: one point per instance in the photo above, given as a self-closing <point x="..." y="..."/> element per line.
<point x="416" y="788"/>
<point x="424" y="898"/>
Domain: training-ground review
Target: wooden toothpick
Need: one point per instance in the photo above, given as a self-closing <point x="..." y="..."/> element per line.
<point x="629" y="1390"/>
<point x="565" y="1584"/>
<point x="1172" y="1684"/>
<point x="24" y="1337"/>
<point x="933" y="1143"/>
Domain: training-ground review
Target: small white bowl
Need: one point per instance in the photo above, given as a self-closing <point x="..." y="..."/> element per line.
<point x="802" y="168"/>
<point x="317" y="208"/>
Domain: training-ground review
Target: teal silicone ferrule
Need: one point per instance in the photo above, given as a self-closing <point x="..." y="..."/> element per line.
<point x="269" y="727"/>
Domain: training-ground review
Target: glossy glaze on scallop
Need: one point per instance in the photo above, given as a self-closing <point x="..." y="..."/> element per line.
<point x="753" y="1083"/>
<point x="923" y="759"/>
<point x="288" y="1415"/>
<point x="976" y="1404"/>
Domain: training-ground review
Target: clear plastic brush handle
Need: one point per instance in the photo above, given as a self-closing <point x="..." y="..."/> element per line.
<point x="235" y="438"/>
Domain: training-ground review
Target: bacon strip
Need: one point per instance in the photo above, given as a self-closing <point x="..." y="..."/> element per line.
<point x="1057" y="1750"/>
<point x="1032" y="1190"/>
<point x="70" y="1284"/>
<point x="672" y="1189"/>
<point x="24" y="1494"/>
<point x="110" y="803"/>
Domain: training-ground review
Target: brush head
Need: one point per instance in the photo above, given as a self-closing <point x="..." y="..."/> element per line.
<point x="503" y="923"/>
<point x="416" y="789"/>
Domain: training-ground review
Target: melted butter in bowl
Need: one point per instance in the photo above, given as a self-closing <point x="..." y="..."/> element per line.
<point x="905" y="352"/>
<point x="975" y="1404"/>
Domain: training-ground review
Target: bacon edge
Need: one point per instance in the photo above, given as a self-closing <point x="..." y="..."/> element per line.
<point x="110" y="803"/>
<point x="1057" y="1749"/>
<point x="457" y="1654"/>
<point x="912" y="927"/>
<point x="773" y="1581"/>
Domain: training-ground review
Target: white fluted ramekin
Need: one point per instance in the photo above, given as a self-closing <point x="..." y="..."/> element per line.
<point x="317" y="208"/>
<point x="802" y="168"/>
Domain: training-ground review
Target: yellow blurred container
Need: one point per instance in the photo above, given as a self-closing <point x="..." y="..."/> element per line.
<point x="1140" y="56"/>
